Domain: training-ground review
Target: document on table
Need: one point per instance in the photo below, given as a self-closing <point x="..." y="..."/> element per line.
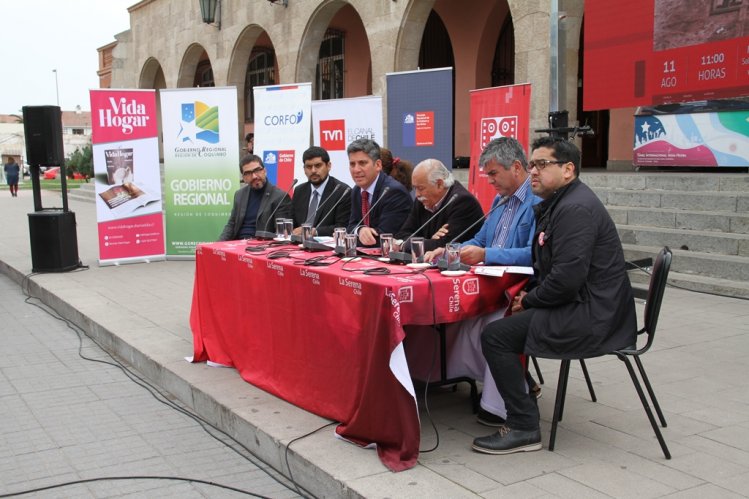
<point x="499" y="270"/>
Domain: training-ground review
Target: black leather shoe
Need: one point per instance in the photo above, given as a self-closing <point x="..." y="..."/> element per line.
<point x="507" y="441"/>
<point x="486" y="418"/>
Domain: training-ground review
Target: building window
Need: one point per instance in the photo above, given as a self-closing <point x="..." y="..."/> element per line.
<point x="77" y="131"/>
<point x="329" y="74"/>
<point x="261" y="70"/>
<point x="204" y="75"/>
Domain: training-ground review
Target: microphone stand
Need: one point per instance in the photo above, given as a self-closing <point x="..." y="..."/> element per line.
<point x="401" y="256"/>
<point x="264" y="234"/>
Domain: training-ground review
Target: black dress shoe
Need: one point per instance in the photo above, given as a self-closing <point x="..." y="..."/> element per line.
<point x="507" y="441"/>
<point x="486" y="418"/>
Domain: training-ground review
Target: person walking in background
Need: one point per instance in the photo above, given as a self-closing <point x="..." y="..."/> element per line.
<point x="12" y="170"/>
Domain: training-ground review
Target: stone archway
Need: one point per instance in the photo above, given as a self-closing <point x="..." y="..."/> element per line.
<point x="152" y="75"/>
<point x="250" y="37"/>
<point x="189" y="65"/>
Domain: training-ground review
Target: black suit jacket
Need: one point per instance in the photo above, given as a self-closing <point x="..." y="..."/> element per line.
<point x="337" y="218"/>
<point x="459" y="215"/>
<point x="272" y="197"/>
<point x="388" y="215"/>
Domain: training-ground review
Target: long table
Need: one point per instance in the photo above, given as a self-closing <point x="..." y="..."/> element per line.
<point x="329" y="338"/>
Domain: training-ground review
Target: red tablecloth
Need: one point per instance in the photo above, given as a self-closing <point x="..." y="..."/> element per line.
<point x="329" y="339"/>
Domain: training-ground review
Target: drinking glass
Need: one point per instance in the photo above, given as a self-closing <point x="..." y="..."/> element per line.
<point x="417" y="249"/>
<point x="351" y="240"/>
<point x="386" y="244"/>
<point x="453" y="256"/>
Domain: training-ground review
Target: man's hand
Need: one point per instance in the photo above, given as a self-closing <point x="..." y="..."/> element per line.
<point x="431" y="256"/>
<point x="367" y="236"/>
<point x="297" y="231"/>
<point x="517" y="302"/>
<point x="442" y="232"/>
<point x="472" y="255"/>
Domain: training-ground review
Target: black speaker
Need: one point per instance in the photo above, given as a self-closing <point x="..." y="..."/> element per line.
<point x="54" y="242"/>
<point x="42" y="126"/>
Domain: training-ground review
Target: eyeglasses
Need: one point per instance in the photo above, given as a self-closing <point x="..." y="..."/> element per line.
<point x="252" y="172"/>
<point x="540" y="164"/>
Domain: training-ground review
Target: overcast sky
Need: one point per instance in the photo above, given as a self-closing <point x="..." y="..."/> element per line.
<point x="41" y="35"/>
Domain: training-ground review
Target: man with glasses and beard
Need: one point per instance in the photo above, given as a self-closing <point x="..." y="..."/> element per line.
<point x="254" y="202"/>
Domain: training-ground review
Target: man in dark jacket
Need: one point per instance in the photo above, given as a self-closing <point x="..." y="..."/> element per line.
<point x="435" y="187"/>
<point x="582" y="305"/>
<point x="255" y="202"/>
<point x="323" y="200"/>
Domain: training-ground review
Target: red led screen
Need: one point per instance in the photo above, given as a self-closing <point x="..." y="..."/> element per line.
<point x="647" y="52"/>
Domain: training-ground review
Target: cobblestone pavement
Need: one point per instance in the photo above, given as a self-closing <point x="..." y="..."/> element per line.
<point x="66" y="419"/>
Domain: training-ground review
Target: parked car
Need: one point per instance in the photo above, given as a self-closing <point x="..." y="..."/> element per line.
<point x="54" y="172"/>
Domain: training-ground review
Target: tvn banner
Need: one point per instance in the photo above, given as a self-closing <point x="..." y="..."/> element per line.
<point x="496" y="112"/>
<point x="338" y="122"/>
<point x="126" y="176"/>
<point x="420" y="115"/>
<point x="693" y="139"/>
<point x="201" y="164"/>
<point x="282" y="130"/>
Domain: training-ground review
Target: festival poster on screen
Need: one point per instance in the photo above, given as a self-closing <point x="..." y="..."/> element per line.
<point x="338" y="122"/>
<point x="420" y="115"/>
<point x="649" y="52"/>
<point x="201" y="164"/>
<point x="496" y="112"/>
<point x="282" y="130"/>
<point x="127" y="179"/>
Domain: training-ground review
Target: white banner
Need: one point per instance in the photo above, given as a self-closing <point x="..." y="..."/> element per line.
<point x="201" y="164"/>
<point x="282" y="130"/>
<point x="338" y="122"/>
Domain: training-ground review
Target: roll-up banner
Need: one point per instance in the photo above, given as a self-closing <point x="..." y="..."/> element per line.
<point x="282" y="130"/>
<point x="127" y="179"/>
<point x="420" y="115"/>
<point x="201" y="164"/>
<point x="338" y="122"/>
<point x="496" y="112"/>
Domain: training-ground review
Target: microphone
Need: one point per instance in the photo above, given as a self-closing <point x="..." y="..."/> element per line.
<point x="402" y="256"/>
<point x="502" y="202"/>
<point x="314" y="245"/>
<point x="264" y="234"/>
<point x="442" y="262"/>
<point x="382" y="196"/>
<point x="298" y="239"/>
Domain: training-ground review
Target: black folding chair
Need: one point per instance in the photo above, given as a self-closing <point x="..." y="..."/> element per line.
<point x="656" y="290"/>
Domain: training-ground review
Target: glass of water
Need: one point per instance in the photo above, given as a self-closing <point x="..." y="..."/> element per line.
<point x="339" y="239"/>
<point x="386" y="244"/>
<point x="306" y="232"/>
<point x="417" y="249"/>
<point x="351" y="241"/>
<point x="453" y="256"/>
<point x="280" y="228"/>
<point x="288" y="228"/>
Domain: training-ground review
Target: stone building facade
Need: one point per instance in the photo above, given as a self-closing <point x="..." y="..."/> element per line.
<point x="346" y="47"/>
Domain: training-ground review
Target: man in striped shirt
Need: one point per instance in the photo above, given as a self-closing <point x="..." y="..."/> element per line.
<point x="504" y="239"/>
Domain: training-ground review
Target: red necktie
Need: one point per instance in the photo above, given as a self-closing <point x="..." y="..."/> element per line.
<point x="365" y="206"/>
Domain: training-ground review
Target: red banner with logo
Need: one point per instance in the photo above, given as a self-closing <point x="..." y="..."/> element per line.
<point x="127" y="179"/>
<point x="496" y="112"/>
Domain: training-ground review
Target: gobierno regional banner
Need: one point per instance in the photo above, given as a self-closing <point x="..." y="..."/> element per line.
<point x="127" y="180"/>
<point x="201" y="164"/>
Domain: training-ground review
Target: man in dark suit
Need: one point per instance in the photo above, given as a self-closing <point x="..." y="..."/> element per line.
<point x="321" y="201"/>
<point x="435" y="186"/>
<point x="254" y="202"/>
<point x="386" y="215"/>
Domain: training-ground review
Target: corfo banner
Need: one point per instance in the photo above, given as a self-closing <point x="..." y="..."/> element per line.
<point x="338" y="122"/>
<point x="201" y="164"/>
<point x="282" y="130"/>
<point x="692" y="139"/>
<point x="420" y="115"/>
<point x="496" y="112"/>
<point x="127" y="179"/>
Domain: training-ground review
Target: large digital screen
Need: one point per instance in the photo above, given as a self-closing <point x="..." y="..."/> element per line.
<point x="648" y="52"/>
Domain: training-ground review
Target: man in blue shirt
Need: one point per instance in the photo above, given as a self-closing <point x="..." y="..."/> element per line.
<point x="505" y="238"/>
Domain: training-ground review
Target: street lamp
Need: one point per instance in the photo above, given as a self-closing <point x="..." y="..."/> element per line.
<point x="208" y="10"/>
<point x="57" y="88"/>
